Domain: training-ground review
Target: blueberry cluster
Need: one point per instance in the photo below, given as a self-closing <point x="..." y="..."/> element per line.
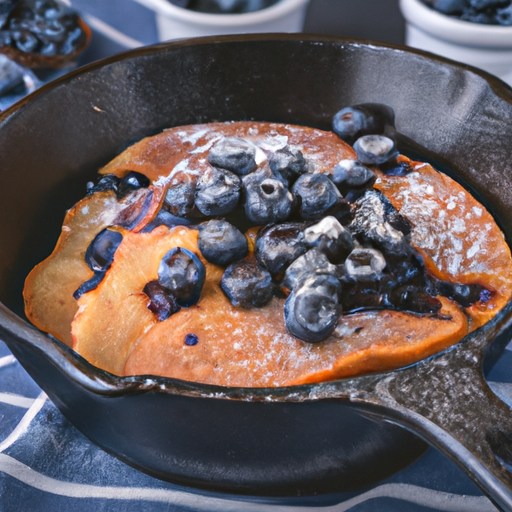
<point x="490" y="12"/>
<point x="121" y="186"/>
<point x="224" y="6"/>
<point x="43" y="27"/>
<point x="330" y="243"/>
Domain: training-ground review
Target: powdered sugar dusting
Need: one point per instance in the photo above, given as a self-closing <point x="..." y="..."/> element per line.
<point x="449" y="226"/>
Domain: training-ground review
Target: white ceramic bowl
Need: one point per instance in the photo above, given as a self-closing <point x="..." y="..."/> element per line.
<point x="175" y="22"/>
<point x="488" y="47"/>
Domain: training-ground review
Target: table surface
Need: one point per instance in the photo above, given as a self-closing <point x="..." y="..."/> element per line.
<point x="46" y="464"/>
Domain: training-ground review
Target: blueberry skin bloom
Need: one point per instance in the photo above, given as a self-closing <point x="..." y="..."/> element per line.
<point x="182" y="274"/>
<point x="308" y="265"/>
<point x="217" y="192"/>
<point x="317" y="193"/>
<point x="287" y="164"/>
<point x="375" y="149"/>
<point x="278" y="246"/>
<point x="331" y="238"/>
<point x="233" y="154"/>
<point x="179" y="199"/>
<point x="312" y="310"/>
<point x="351" y="173"/>
<point x="267" y="200"/>
<point x="221" y="243"/>
<point x="246" y="284"/>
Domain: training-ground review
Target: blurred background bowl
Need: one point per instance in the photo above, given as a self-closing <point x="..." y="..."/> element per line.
<point x="176" y="22"/>
<point x="488" y="47"/>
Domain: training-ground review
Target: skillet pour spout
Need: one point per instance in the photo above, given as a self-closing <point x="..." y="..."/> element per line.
<point x="334" y="436"/>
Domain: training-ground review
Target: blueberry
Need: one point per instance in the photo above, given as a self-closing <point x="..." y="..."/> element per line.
<point x="228" y="6"/>
<point x="371" y="220"/>
<point x="246" y="284"/>
<point x="182" y="274"/>
<point x="365" y="264"/>
<point x="180" y="200"/>
<point x="161" y="302"/>
<point x="221" y="243"/>
<point x="266" y="198"/>
<point x="312" y="263"/>
<point x="233" y="154"/>
<point x="351" y="173"/>
<point x="375" y="149"/>
<point x="279" y="245"/>
<point x="312" y="310"/>
<point x="6" y="7"/>
<point x="217" y="192"/>
<point x="100" y="253"/>
<point x="318" y="196"/>
<point x="26" y="41"/>
<point x="191" y="340"/>
<point x="132" y="181"/>
<point x="480" y="5"/>
<point x="504" y="16"/>
<point x="450" y="6"/>
<point x="474" y="16"/>
<point x="106" y="183"/>
<point x="350" y="123"/>
<point x="331" y="238"/>
<point x="287" y="164"/>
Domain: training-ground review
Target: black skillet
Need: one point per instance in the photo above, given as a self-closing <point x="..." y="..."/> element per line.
<point x="320" y="438"/>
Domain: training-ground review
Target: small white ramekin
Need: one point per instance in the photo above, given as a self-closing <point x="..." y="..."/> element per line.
<point x="488" y="47"/>
<point x="175" y="22"/>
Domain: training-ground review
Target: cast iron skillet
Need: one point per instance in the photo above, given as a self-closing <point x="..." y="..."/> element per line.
<point x="286" y="441"/>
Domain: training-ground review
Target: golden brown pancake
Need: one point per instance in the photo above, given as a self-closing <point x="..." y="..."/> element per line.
<point x="113" y="328"/>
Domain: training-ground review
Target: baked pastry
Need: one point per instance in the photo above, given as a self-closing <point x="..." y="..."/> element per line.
<point x="258" y="254"/>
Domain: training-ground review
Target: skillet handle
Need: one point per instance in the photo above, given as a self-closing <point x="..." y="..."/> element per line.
<point x="447" y="402"/>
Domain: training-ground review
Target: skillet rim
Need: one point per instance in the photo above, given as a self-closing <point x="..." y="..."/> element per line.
<point x="107" y="384"/>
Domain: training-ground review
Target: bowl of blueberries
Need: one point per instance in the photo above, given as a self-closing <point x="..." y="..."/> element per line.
<point x="195" y="18"/>
<point x="475" y="32"/>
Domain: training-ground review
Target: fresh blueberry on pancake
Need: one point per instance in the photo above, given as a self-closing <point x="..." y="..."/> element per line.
<point x="217" y="192"/>
<point x="318" y="196"/>
<point x="277" y="246"/>
<point x="313" y="309"/>
<point x="331" y="238"/>
<point x="233" y="154"/>
<point x="267" y="199"/>
<point x="221" y="243"/>
<point x="132" y="181"/>
<point x="182" y="274"/>
<point x="375" y="149"/>
<point x="247" y="285"/>
<point x="288" y="164"/>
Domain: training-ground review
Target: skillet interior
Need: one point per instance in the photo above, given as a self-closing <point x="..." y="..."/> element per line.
<point x="53" y="143"/>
